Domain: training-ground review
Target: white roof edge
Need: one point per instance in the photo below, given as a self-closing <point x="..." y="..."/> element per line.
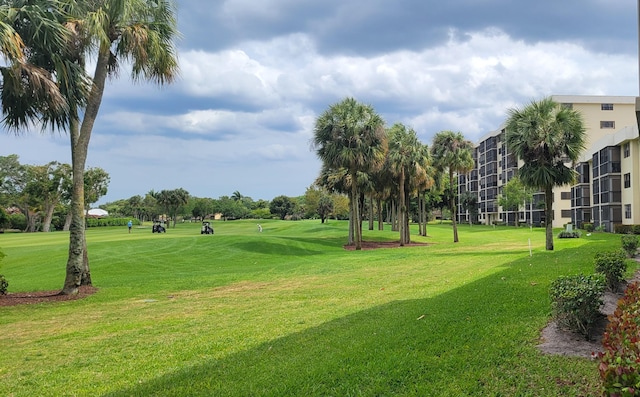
<point x="594" y="99"/>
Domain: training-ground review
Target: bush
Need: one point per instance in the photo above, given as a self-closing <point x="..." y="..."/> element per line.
<point x="572" y="234"/>
<point x="613" y="264"/>
<point x="620" y="362"/>
<point x="100" y="222"/>
<point x="3" y="281"/>
<point x="630" y="244"/>
<point x="576" y="301"/>
<point x="17" y="221"/>
<point x="587" y="226"/>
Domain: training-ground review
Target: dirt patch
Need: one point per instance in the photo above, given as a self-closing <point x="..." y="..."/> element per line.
<point x="555" y="340"/>
<point x="371" y="245"/>
<point x="27" y="298"/>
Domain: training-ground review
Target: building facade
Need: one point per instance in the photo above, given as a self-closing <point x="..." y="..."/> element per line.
<point x="608" y="171"/>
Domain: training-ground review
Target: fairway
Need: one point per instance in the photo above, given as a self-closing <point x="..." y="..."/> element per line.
<point x="289" y="311"/>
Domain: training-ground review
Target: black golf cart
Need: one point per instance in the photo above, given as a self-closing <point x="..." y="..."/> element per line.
<point x="158" y="227"/>
<point x="206" y="228"/>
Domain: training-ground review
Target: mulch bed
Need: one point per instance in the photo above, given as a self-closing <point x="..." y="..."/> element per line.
<point x="371" y="245"/>
<point x="27" y="298"/>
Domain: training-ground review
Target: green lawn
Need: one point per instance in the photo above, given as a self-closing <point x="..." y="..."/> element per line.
<point x="289" y="312"/>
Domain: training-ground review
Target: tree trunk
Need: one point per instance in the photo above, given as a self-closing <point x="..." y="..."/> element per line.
<point x="78" y="263"/>
<point x="355" y="203"/>
<point x="453" y="208"/>
<point x="371" y="220"/>
<point x="48" y="216"/>
<point x="403" y="211"/>
<point x="548" y="222"/>
<point x="67" y="221"/>
<point x="380" y="220"/>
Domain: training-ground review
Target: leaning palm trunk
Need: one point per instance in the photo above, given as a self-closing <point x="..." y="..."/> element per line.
<point x="78" y="263"/>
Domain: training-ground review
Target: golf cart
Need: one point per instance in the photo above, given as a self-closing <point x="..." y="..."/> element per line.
<point x="206" y="228"/>
<point x="158" y="227"/>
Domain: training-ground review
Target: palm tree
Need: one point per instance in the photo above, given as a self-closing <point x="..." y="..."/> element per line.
<point x="453" y="153"/>
<point x="546" y="136"/>
<point x="404" y="156"/>
<point x="351" y="135"/>
<point x="47" y="44"/>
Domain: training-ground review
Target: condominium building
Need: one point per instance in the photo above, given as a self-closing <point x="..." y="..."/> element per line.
<point x="609" y="171"/>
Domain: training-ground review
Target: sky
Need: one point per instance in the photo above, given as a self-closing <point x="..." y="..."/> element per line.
<point x="255" y="75"/>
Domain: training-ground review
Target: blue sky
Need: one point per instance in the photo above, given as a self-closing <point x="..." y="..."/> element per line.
<point x="255" y="75"/>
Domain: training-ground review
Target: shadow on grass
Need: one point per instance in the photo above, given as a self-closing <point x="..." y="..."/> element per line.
<point x="478" y="339"/>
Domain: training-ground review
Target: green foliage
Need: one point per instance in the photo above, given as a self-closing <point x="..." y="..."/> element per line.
<point x="4" y="284"/>
<point x="620" y="362"/>
<point x="4" y="218"/>
<point x="626" y="229"/>
<point x="613" y="265"/>
<point x="630" y="244"/>
<point x="17" y="221"/>
<point x="567" y="234"/>
<point x="281" y="206"/>
<point x="261" y="213"/>
<point x="101" y="222"/>
<point x="576" y="301"/>
<point x="587" y="226"/>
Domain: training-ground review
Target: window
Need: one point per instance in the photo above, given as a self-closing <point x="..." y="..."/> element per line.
<point x="565" y="195"/>
<point x="627" y="150"/>
<point x="627" y="211"/>
<point x="565" y="213"/>
<point x="567" y="105"/>
<point x="627" y="180"/>
<point x="607" y="124"/>
<point x="606" y="106"/>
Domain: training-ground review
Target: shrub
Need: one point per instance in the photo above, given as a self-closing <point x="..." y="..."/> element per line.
<point x="587" y="226"/>
<point x="99" y="222"/>
<point x="3" y="281"/>
<point x="613" y="265"/>
<point x="576" y="301"/>
<point x="620" y="362"/>
<point x="572" y="234"/>
<point x="17" y="221"/>
<point x="630" y="244"/>
<point x="623" y="229"/>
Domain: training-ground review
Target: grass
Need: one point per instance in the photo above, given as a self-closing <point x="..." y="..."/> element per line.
<point x="290" y="312"/>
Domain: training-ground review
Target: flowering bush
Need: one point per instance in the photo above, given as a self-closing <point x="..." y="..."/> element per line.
<point x="620" y="362"/>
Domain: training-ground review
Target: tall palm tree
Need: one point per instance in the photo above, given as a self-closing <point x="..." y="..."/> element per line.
<point x="48" y="44"/>
<point x="451" y="152"/>
<point x="404" y="156"/>
<point x="351" y="135"/>
<point x="546" y="136"/>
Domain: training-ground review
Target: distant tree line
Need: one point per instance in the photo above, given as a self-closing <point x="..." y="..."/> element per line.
<point x="38" y="197"/>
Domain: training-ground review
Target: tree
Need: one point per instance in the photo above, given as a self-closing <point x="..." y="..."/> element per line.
<point x="47" y="45"/>
<point x="514" y="194"/>
<point x="451" y="152"/>
<point x="546" y="136"/>
<point x="351" y="135"/>
<point x="96" y="184"/>
<point x="171" y="201"/>
<point x="237" y="196"/>
<point x="281" y="206"/>
<point x="47" y="184"/>
<point x="405" y="153"/>
<point x="325" y="207"/>
<point x="469" y="202"/>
